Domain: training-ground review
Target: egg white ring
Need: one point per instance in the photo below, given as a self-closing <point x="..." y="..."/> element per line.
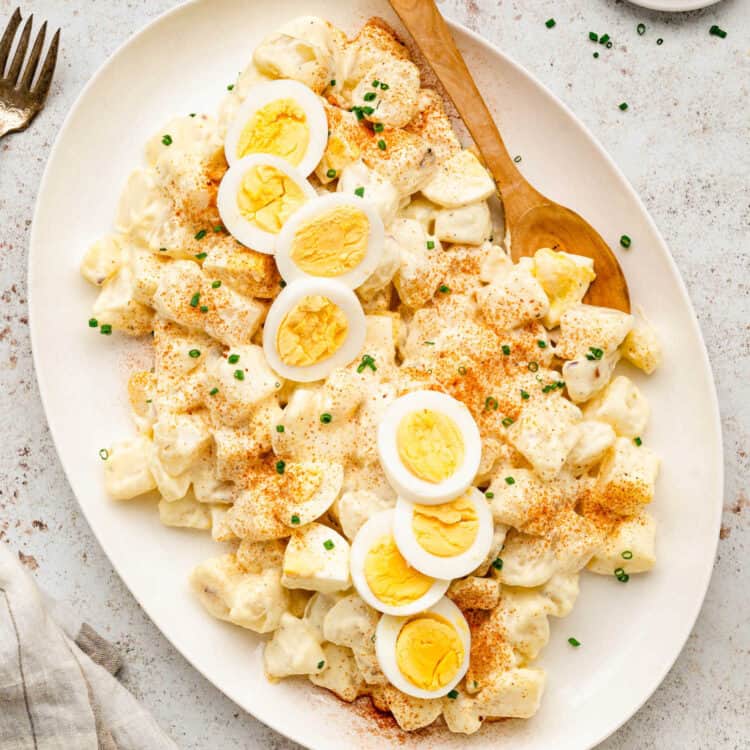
<point x="403" y="481"/>
<point x="265" y="93"/>
<point x="380" y="525"/>
<point x="341" y="296"/>
<point x="386" y="636"/>
<point x="456" y="566"/>
<point x="236" y="224"/>
<point x="290" y="271"/>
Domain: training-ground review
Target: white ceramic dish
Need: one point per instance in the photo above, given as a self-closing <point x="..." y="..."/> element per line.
<point x="631" y="634"/>
<point x="676" y="6"/>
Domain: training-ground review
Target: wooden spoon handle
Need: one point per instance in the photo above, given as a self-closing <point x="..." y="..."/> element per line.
<point x="423" y="21"/>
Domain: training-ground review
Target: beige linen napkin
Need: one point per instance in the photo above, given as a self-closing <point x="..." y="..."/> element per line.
<point x="57" y="689"/>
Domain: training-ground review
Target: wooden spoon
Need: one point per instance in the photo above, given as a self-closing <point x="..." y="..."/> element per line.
<point x="533" y="220"/>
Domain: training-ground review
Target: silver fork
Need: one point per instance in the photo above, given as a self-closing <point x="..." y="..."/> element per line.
<point x="21" y="102"/>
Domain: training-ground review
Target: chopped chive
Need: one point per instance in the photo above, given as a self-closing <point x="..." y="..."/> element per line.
<point x="507" y="422"/>
<point x="167" y="140"/>
<point x="429" y="343"/>
<point x="280" y="466"/>
<point x="621" y="575"/>
<point x="204" y="308"/>
<point x="230" y="87"/>
<point x="625" y="241"/>
<point x="506" y="349"/>
<point x="491" y="403"/>
<point x="369" y="96"/>
<point x="280" y="428"/>
<point x="360" y="191"/>
<point x="445" y="289"/>
<point x="378" y="127"/>
<point x="489" y="495"/>
<point x="367" y="361"/>
<point x="295" y="517"/>
<point x="162" y="249"/>
<point x="594" y="354"/>
<point x="517" y="158"/>
<point x="375" y="84"/>
<point x="623" y="106"/>
<point x="201" y="256"/>
<point x="381" y="145"/>
<point x="331" y="173"/>
<point x="368" y="110"/>
<point x="328" y="544"/>
<point x="239" y="374"/>
<point x="596" y="55"/>
<point x="195" y="299"/>
<point x="541" y="344"/>
<point x="462" y="370"/>
<point x="194" y="353"/>
<point x="609" y="45"/>
<point x="660" y="41"/>
<point x="384" y="87"/>
<point x="638" y="441"/>
<point x="219" y="228"/>
<point x="717" y="31"/>
<point x="321" y="664"/>
<point x="574" y="642"/>
<point x="533" y="366"/>
<point x="93" y="323"/>
<point x="593" y="36"/>
<point x="549" y="23"/>
<point x="105" y="329"/>
<point x="333" y="81"/>
<point x="641" y="29"/>
<point x="282" y="283"/>
<point x="604" y="39"/>
<point x="215" y="284"/>
<point x="326" y="418"/>
<point x="430" y="244"/>
<point x="104" y="454"/>
<point x="200" y="234"/>
<point x="453" y="694"/>
<point x="509" y="481"/>
<point x="213" y="391"/>
<point x="524" y="394"/>
<point x="497" y="563"/>
<point x="192" y="114"/>
<point x="627" y="555"/>
<point x="233" y="359"/>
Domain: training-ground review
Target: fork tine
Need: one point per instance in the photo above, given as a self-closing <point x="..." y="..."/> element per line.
<point x="48" y="69"/>
<point x="7" y="40"/>
<point x="36" y="52"/>
<point x="23" y="45"/>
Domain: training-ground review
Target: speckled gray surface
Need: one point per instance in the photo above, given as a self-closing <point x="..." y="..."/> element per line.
<point x="683" y="143"/>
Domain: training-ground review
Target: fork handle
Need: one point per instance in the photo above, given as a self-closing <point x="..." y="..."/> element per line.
<point x="424" y="22"/>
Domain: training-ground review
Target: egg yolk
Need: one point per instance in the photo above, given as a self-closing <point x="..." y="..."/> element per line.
<point x="446" y="530"/>
<point x="390" y="578"/>
<point x="429" y="651"/>
<point x="430" y="445"/>
<point x="267" y="197"/>
<point x="313" y="330"/>
<point x="280" y="128"/>
<point x="333" y="243"/>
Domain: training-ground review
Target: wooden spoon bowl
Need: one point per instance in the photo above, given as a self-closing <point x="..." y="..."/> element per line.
<point x="532" y="220"/>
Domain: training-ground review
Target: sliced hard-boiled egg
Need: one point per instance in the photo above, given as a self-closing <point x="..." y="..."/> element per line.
<point x="426" y="655"/>
<point x="334" y="236"/>
<point x="449" y="540"/>
<point x="382" y="576"/>
<point x="313" y="327"/>
<point x="282" y="118"/>
<point x="257" y="196"/>
<point x="429" y="447"/>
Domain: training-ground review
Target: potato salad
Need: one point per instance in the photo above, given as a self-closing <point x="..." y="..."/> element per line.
<point x="407" y="447"/>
